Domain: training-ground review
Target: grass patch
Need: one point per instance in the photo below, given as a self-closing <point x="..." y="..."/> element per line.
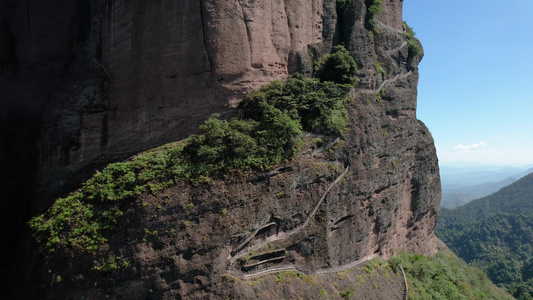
<point x="323" y="293"/>
<point x="361" y="278"/>
<point x="379" y="68"/>
<point x="381" y="94"/>
<point x="346" y="293"/>
<point x="112" y="264"/>
<point x="369" y="269"/>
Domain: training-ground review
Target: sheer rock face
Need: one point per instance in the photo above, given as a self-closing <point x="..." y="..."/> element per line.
<point x="140" y="74"/>
<point x="391" y="15"/>
<point x="150" y="73"/>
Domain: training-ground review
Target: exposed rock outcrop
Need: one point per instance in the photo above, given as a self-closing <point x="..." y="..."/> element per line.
<point x="85" y="83"/>
<point x="151" y="73"/>
<point x="142" y="74"/>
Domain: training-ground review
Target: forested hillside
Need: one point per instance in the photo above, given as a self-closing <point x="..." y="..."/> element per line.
<point x="516" y="198"/>
<point x="461" y="185"/>
<point x="444" y="276"/>
<point x="495" y="233"/>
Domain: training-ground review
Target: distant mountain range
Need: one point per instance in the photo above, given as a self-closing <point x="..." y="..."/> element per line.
<point x="464" y="184"/>
<point x="495" y="233"/>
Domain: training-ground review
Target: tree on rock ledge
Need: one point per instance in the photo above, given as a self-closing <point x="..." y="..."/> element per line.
<point x="339" y="67"/>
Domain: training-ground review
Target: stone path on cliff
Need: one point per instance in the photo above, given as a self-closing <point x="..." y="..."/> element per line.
<point x="406" y="290"/>
<point x="342" y="268"/>
<point x="383" y="26"/>
<point x="397" y="48"/>
<point x="392" y="80"/>
<point x="240" y="252"/>
<point x="386" y="81"/>
<point x="251" y="275"/>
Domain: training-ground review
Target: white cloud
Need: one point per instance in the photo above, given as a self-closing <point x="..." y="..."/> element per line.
<point x="481" y="153"/>
<point x="471" y="147"/>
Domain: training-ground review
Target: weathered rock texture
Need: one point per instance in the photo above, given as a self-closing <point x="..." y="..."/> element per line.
<point x="85" y="83"/>
<point x="116" y="77"/>
<point x="149" y="73"/>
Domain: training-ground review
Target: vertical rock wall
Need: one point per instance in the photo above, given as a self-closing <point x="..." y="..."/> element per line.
<point x="151" y="72"/>
<point x="102" y="80"/>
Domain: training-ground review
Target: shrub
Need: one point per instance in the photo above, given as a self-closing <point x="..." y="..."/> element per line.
<point x="277" y="135"/>
<point x="338" y="67"/>
<point x="342" y="6"/>
<point x="112" y="264"/>
<point x="414" y="47"/>
<point x="346" y="293"/>
<point x="319" y="106"/>
<point x="222" y="145"/>
<point x="373" y="7"/>
<point x="379" y="68"/>
<point x="242" y="144"/>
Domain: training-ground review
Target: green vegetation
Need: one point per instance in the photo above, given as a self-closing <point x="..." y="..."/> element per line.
<point x="495" y="233"/>
<point x="241" y="144"/>
<point x="111" y="264"/>
<point x="323" y="293"/>
<point x="81" y="219"/>
<point x="369" y="269"/>
<point x="373" y="8"/>
<point x="443" y="277"/>
<point x="501" y="245"/>
<point x="346" y="293"/>
<point x="413" y="44"/>
<point x="278" y="277"/>
<point x="379" y="68"/>
<point x="267" y="133"/>
<point x="317" y="106"/>
<point x="289" y="276"/>
<point x="522" y="290"/>
<point x="381" y="94"/>
<point x="342" y="6"/>
<point x="512" y="199"/>
<point x="339" y="67"/>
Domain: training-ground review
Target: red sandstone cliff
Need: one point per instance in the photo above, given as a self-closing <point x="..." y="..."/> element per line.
<point x="151" y="73"/>
<point x="112" y="78"/>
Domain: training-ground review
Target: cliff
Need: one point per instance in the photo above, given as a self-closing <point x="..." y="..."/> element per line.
<point x="112" y="78"/>
<point x="150" y="74"/>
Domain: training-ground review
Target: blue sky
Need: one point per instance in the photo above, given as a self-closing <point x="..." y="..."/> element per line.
<point x="475" y="92"/>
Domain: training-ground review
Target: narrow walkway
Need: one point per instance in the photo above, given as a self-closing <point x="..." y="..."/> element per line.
<point x="251" y="275"/>
<point x="397" y="48"/>
<point x="383" y="26"/>
<point x="406" y="291"/>
<point x="240" y="252"/>
<point x="393" y="80"/>
<point x="399" y="76"/>
<point x="246" y="241"/>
